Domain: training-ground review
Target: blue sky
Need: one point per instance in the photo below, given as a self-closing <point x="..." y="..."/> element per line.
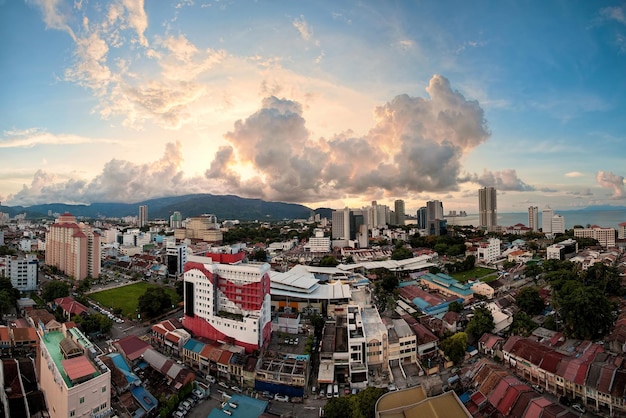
<point x="323" y="103"/>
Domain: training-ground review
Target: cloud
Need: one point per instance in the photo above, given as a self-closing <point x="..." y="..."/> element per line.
<point x="614" y="13"/>
<point x="55" y="14"/>
<point x="415" y="145"/>
<point x="574" y="174"/>
<point x="505" y="180"/>
<point x="303" y="27"/>
<point x="612" y="181"/>
<point x="33" y="137"/>
<point x="119" y="181"/>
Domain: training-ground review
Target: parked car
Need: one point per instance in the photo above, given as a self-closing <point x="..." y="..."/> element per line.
<point x="578" y="408"/>
<point x="198" y="393"/>
<point x="281" y="398"/>
<point x="222" y="384"/>
<point x="267" y="394"/>
<point x="210" y="379"/>
<point x="235" y="388"/>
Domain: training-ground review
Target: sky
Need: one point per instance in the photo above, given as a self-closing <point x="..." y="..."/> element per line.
<point x="324" y="103"/>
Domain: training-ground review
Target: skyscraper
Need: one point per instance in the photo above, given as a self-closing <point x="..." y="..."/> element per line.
<point x="558" y="224"/>
<point x="143" y="215"/>
<point x="533" y="218"/>
<point x="487" y="208"/>
<point x="400" y="213"/>
<point x="435" y="222"/>
<point x="546" y="220"/>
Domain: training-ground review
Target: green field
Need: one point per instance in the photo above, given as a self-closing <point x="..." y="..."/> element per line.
<point x="477" y="273"/>
<point x="126" y="297"/>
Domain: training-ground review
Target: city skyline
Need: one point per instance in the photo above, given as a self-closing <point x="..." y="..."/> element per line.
<point x="330" y="104"/>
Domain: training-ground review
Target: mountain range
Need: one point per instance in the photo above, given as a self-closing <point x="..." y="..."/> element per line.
<point x="222" y="206"/>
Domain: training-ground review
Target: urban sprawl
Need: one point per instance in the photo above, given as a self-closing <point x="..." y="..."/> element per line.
<point x="369" y="312"/>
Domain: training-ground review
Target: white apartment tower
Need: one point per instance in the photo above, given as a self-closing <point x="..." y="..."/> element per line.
<point x="533" y="218"/>
<point x="558" y="224"/>
<point x="341" y="224"/>
<point x="487" y="208"/>
<point x="143" y="215"/>
<point x="546" y="220"/>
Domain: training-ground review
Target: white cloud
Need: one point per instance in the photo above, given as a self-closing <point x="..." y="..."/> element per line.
<point x="303" y="28"/>
<point x="612" y="181"/>
<point x="55" y="14"/>
<point x="34" y="137"/>
<point x="574" y="174"/>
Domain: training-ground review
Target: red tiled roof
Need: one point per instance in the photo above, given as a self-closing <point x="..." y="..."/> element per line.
<point x="225" y="357"/>
<point x="132" y="346"/>
<point x="511" y="396"/>
<point x="78" y="367"/>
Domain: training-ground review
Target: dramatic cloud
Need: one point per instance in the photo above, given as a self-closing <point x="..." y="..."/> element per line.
<point x="416" y="145"/>
<point x="505" y="180"/>
<point x="612" y="181"/>
<point x="119" y="181"/>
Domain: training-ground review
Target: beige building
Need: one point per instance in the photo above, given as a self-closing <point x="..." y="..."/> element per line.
<point x="604" y="236"/>
<point x="73" y="248"/>
<point x="200" y="227"/>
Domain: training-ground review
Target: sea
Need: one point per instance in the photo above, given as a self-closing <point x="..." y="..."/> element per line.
<point x="603" y="218"/>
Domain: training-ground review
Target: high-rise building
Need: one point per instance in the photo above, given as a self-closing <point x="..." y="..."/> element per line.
<point x="435" y="222"/>
<point x="176" y="220"/>
<point x="421" y="218"/>
<point x="176" y="259"/>
<point x="351" y="225"/>
<point x="22" y="271"/>
<point x="546" y="220"/>
<point x="229" y="303"/>
<point x="487" y="208"/>
<point x="143" y="215"/>
<point x="558" y="224"/>
<point x="398" y="207"/>
<point x="533" y="218"/>
<point x="341" y="224"/>
<point x="73" y="248"/>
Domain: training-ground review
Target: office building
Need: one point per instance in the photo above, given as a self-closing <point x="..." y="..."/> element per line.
<point x="533" y="218"/>
<point x="341" y="224"/>
<point x="351" y="225"/>
<point x="228" y="303"/>
<point x="176" y="259"/>
<point x="435" y="222"/>
<point x="421" y="218"/>
<point x="546" y="220"/>
<point x="73" y="248"/>
<point x="488" y="208"/>
<point x="143" y="215"/>
<point x="400" y="212"/>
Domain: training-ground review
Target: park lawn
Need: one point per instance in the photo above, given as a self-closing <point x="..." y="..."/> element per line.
<point x="473" y="274"/>
<point x="127" y="297"/>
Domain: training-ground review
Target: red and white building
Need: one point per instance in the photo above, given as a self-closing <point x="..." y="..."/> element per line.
<point x="229" y="303"/>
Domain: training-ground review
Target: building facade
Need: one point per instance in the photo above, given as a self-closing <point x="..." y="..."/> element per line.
<point x="22" y="271"/>
<point x="73" y="248"/>
<point x="546" y="220"/>
<point x="533" y="218"/>
<point x="228" y="303"/>
<point x="400" y="211"/>
<point x="487" y="208"/>
<point x="143" y="215"/>
<point x="604" y="236"/>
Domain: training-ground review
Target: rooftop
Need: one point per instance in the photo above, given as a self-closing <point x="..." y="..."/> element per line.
<point x="77" y="368"/>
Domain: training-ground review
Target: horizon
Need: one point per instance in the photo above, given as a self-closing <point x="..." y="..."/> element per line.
<point x="326" y="104"/>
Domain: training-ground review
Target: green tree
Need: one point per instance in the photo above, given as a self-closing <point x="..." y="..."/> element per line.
<point x="178" y="286"/>
<point x="259" y="255"/>
<point x="55" y="289"/>
<point x="529" y="301"/>
<point x="454" y="347"/>
<point x="5" y="302"/>
<point x="605" y="278"/>
<point x="154" y="302"/>
<point x="340" y="407"/>
<point x="12" y="294"/>
<point x="481" y="322"/>
<point x="455" y="306"/>
<point x="522" y="325"/>
<point x="584" y="310"/>
<point x="328" y="261"/>
<point x="532" y="270"/>
<point x="364" y="402"/>
<point x="401" y="252"/>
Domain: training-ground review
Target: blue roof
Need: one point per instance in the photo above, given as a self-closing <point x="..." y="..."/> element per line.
<point x="122" y="366"/>
<point x="145" y="399"/>
<point x="194" y="345"/>
<point x="247" y="407"/>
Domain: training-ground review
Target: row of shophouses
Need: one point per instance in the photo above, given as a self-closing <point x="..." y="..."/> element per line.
<point x="580" y="370"/>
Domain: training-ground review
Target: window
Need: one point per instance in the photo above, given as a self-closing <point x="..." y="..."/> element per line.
<point x="72" y="413"/>
<point x="82" y="400"/>
<point x="104" y="389"/>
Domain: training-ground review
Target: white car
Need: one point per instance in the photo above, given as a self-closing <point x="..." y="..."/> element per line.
<point x="281" y="398"/>
<point x="578" y="408"/>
